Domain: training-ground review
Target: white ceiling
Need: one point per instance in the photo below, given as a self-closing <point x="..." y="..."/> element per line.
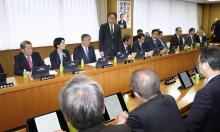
<point x="203" y="1"/>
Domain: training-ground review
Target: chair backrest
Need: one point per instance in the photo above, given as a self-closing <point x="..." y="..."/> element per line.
<point x="168" y="45"/>
<point x="71" y="57"/>
<point x="47" y="61"/>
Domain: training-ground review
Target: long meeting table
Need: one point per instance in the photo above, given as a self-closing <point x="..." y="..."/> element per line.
<point x="28" y="98"/>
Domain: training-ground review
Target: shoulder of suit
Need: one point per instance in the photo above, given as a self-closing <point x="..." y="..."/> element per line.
<point x="77" y="47"/>
<point x="53" y="52"/>
<point x="66" y="51"/>
<point x="119" y="128"/>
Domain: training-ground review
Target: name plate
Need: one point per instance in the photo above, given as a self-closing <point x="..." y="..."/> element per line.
<point x="47" y="77"/>
<point x="107" y="66"/>
<point x="6" y="85"/>
<point x="147" y="57"/>
<point x="170" y="81"/>
<point x="77" y="71"/>
<point x="128" y="61"/>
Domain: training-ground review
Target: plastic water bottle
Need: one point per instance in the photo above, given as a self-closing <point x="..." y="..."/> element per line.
<point x="82" y="64"/>
<point x="197" y="79"/>
<point x="61" y="69"/>
<point x="25" y="73"/>
<point x="115" y="61"/>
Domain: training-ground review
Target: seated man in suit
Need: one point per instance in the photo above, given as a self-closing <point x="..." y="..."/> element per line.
<point x="177" y="39"/>
<point x="84" y="51"/>
<point x="125" y="48"/>
<point x="122" y="22"/>
<point x="26" y="59"/>
<point x="154" y="43"/>
<point x="60" y="56"/>
<point x="135" y="38"/>
<point x="190" y="38"/>
<point x="162" y="41"/>
<point x="201" y="38"/>
<point x="140" y="45"/>
<point x="158" y="113"/>
<point x="1" y="69"/>
<point x="82" y="103"/>
<point x="204" y="114"/>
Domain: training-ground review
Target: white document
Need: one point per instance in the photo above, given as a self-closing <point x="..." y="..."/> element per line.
<point x="113" y="106"/>
<point x="47" y="123"/>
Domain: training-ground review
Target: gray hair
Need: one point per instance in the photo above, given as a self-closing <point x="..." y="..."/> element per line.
<point x="82" y="102"/>
<point x="145" y="82"/>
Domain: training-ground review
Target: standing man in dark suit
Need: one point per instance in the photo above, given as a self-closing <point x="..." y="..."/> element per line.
<point x="26" y="59"/>
<point x="60" y="56"/>
<point x="190" y="38"/>
<point x="158" y="113"/>
<point x="1" y="69"/>
<point x="177" y="39"/>
<point x="125" y="48"/>
<point x="162" y="41"/>
<point x="109" y="37"/>
<point x="84" y="51"/>
<point x="200" y="38"/>
<point x="154" y="43"/>
<point x="204" y="115"/>
<point x="139" y="46"/>
<point x="82" y="104"/>
<point x="122" y="22"/>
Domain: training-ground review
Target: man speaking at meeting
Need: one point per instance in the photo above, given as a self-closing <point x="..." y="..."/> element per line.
<point x="109" y="37"/>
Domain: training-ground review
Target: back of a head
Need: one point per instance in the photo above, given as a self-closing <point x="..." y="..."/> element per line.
<point x="145" y="82"/>
<point x="212" y="56"/>
<point x="139" y="31"/>
<point x="82" y="102"/>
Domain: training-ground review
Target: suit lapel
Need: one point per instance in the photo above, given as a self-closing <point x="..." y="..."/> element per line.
<point x="26" y="62"/>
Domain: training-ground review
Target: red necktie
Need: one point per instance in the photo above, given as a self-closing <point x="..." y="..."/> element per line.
<point x="30" y="62"/>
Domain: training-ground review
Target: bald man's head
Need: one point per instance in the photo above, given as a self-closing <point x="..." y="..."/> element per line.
<point x="145" y="82"/>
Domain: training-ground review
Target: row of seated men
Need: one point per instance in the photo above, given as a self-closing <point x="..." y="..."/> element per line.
<point x="27" y="59"/>
<point x="157" y="112"/>
<point x="178" y="39"/>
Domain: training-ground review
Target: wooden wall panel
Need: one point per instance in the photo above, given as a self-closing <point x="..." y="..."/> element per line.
<point x="209" y="13"/>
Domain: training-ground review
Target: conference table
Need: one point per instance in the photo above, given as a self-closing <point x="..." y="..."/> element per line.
<point x="28" y="98"/>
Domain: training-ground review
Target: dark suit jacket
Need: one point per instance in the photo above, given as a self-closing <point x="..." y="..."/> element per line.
<point x="217" y="31"/>
<point x="1" y="69"/>
<point x="55" y="59"/>
<point x="123" y="50"/>
<point x="204" y="40"/>
<point x="122" y="24"/>
<point x="21" y="62"/>
<point x="176" y="42"/>
<point x="135" y="38"/>
<point x="108" y="41"/>
<point x="79" y="54"/>
<point x="163" y="42"/>
<point x="160" y="114"/>
<point x="204" y="115"/>
<point x="151" y="45"/>
<point x="137" y="48"/>
<point x="109" y="128"/>
<point x="189" y="41"/>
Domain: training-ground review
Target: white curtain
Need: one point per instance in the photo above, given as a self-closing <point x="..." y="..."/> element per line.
<point x="40" y="21"/>
<point x="165" y="15"/>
